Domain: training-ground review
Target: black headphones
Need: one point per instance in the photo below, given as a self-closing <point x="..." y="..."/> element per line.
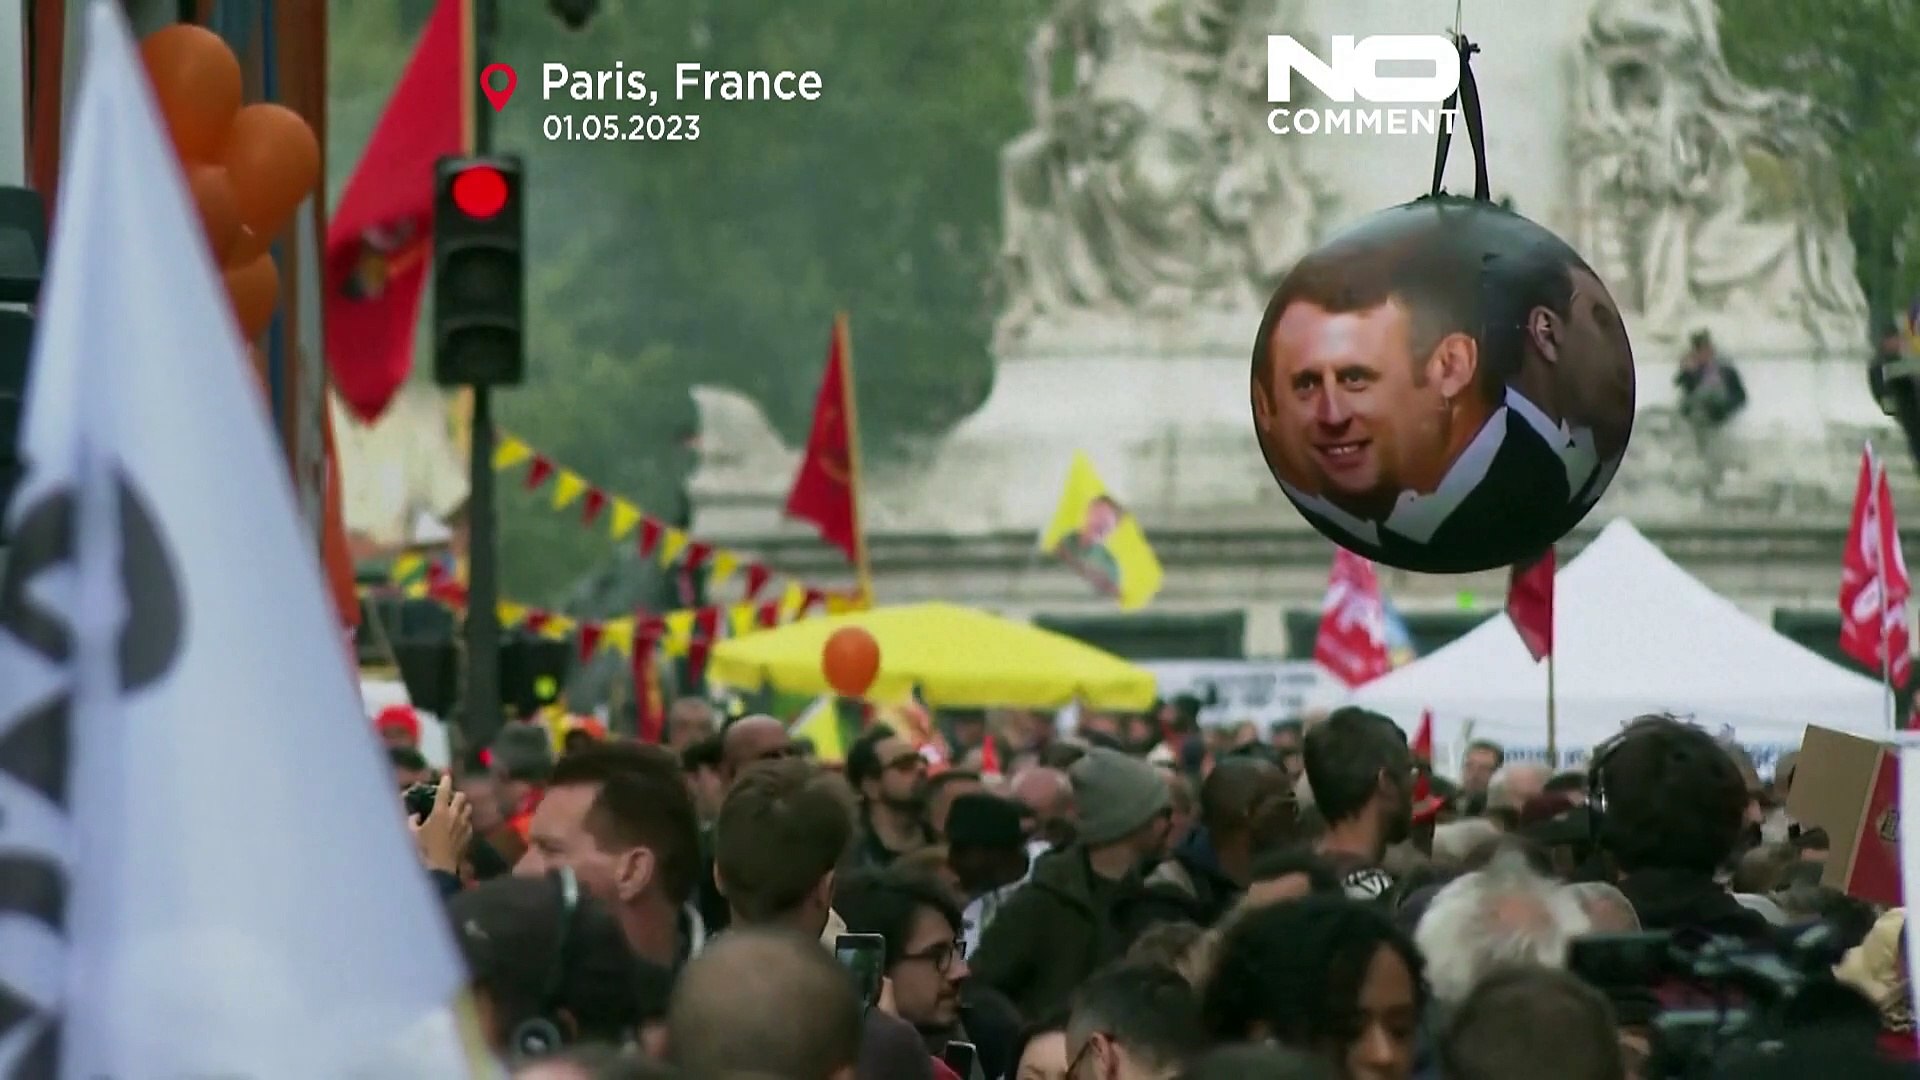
<point x="540" y="1034"/>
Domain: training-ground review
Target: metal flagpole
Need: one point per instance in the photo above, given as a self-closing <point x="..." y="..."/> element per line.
<point x="1553" y="725"/>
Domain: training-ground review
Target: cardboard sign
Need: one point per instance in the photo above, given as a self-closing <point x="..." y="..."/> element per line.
<point x="1850" y="787"/>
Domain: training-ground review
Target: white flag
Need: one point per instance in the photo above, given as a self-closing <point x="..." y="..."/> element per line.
<point x="182" y="752"/>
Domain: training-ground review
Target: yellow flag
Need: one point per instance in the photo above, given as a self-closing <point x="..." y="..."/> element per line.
<point x="618" y="635"/>
<point x="511" y="615"/>
<point x="1101" y="540"/>
<point x="558" y="628"/>
<point x="820" y="725"/>
<point x="740" y="619"/>
<point x="791" y="600"/>
<point x="567" y="487"/>
<point x="679" y="632"/>
<point x="671" y="545"/>
<point x="721" y="568"/>
<point x="510" y="452"/>
<point x="407" y="567"/>
<point x="623" y="519"/>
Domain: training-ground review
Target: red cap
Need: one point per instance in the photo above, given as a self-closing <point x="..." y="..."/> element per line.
<point x="398" y="717"/>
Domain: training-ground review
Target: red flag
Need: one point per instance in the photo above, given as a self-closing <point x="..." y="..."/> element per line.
<point x="1530" y="604"/>
<point x="768" y="614"/>
<point x="650" y="711"/>
<point x="989" y="757"/>
<point x="1352" y="643"/>
<point x="538" y="471"/>
<point x="696" y="556"/>
<point x="379" y="238"/>
<point x="650" y="533"/>
<point x="1426" y="805"/>
<point x="706" y="627"/>
<point x="590" y="634"/>
<point x="590" y="508"/>
<point x="757" y="575"/>
<point x="824" y="489"/>
<point x="1874" y="586"/>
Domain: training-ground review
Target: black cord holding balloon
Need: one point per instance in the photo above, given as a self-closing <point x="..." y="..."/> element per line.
<point x="1466" y="100"/>
<point x="1445" y="386"/>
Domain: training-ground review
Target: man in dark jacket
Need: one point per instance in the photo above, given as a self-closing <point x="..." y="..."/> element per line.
<point x="1246" y="808"/>
<point x="1068" y="921"/>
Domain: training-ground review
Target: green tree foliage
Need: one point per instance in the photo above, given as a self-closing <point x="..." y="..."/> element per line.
<point x="1859" y="62"/>
<point x="658" y="266"/>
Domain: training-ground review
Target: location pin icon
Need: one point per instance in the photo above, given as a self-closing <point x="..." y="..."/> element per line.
<point x="498" y="96"/>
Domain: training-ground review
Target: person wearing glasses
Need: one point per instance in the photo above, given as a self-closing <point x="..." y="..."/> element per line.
<point x="926" y="964"/>
<point x="890" y="777"/>
<point x="1134" y="1021"/>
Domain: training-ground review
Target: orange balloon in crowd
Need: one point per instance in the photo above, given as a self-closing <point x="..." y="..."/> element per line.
<point x="219" y="207"/>
<point x="196" y="81"/>
<point x="254" y="288"/>
<point x="850" y="660"/>
<point x="274" y="162"/>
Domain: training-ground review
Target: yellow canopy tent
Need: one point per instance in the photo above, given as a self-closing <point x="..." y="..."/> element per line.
<point x="956" y="657"/>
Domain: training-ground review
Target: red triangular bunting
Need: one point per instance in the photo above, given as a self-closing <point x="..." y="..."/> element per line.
<point x="757" y="577"/>
<point x="813" y="596"/>
<point x="589" y="640"/>
<point x="705" y="622"/>
<point x="650" y="531"/>
<point x="539" y="471"/>
<point x="596" y="501"/>
<point x="697" y="556"/>
<point x="537" y="620"/>
<point x="769" y="613"/>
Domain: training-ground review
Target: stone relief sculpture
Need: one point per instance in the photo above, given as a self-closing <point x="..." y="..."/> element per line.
<point x="1148" y="188"/>
<point x="1705" y="201"/>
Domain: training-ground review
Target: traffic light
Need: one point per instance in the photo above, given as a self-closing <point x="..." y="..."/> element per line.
<point x="23" y="253"/>
<point x="479" y="281"/>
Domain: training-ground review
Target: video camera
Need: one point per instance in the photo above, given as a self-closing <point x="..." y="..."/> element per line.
<point x="1711" y="998"/>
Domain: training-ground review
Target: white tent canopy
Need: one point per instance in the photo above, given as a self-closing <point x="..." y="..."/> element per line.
<point x="1633" y="634"/>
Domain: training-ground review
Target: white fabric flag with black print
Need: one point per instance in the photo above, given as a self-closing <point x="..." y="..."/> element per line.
<point x="205" y="867"/>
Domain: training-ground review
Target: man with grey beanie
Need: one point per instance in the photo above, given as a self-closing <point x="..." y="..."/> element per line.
<point x="1066" y="922"/>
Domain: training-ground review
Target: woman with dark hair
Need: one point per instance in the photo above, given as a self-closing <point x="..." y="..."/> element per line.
<point x="1326" y="975"/>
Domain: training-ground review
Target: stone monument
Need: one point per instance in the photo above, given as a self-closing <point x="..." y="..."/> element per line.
<point x="1148" y="212"/>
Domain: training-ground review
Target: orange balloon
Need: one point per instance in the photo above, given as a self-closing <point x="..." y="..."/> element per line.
<point x="274" y="161"/>
<point x="254" y="288"/>
<point x="850" y="661"/>
<point x="219" y="209"/>
<point x="247" y="246"/>
<point x="196" y="80"/>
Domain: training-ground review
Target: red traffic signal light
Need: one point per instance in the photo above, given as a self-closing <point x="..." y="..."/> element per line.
<point x="480" y="192"/>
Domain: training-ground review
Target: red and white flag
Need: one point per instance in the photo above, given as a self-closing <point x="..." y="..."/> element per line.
<point x="1874" y="587"/>
<point x="1352" y="643"/>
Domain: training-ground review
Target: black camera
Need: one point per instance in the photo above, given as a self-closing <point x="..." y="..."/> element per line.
<point x="1706" y="998"/>
<point x="419" y="799"/>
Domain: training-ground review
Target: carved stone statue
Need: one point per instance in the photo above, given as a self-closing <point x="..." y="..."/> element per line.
<point x="1149" y="188"/>
<point x="1706" y="202"/>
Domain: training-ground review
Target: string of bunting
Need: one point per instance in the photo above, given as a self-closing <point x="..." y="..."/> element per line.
<point x="621" y="519"/>
<point x="687" y="632"/>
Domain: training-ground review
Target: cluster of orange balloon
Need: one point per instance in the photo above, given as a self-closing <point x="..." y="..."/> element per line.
<point x="249" y="167"/>
<point x="850" y="661"/>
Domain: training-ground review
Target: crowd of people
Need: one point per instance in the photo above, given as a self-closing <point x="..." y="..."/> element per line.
<point x="1142" y="900"/>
